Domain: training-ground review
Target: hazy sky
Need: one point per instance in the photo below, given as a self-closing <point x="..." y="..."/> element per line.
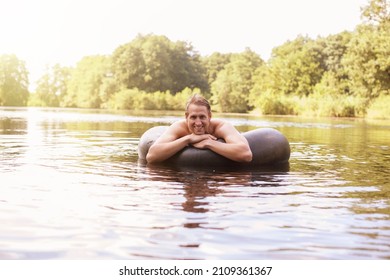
<point x="43" y="32"/>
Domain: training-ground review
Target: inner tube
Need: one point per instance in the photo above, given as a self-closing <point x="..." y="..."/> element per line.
<point x="268" y="146"/>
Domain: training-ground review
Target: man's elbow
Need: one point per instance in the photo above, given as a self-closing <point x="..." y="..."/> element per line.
<point x="150" y="158"/>
<point x="247" y="156"/>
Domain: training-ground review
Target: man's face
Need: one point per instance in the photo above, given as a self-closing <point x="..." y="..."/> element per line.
<point x="198" y="119"/>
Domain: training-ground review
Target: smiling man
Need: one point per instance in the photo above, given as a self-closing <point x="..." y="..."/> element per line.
<point x="200" y="131"/>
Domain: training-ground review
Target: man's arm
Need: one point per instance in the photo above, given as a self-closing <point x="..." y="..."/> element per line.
<point x="236" y="146"/>
<point x="174" y="139"/>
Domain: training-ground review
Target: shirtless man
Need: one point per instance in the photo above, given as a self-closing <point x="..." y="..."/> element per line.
<point x="200" y="131"/>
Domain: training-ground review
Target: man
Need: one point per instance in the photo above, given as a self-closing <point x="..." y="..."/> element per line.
<point x="200" y="131"/>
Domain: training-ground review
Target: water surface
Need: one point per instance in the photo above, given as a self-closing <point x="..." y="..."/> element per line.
<point x="71" y="187"/>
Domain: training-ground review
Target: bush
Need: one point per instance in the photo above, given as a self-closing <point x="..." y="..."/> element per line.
<point x="379" y="108"/>
<point x="320" y="105"/>
<point x="123" y="99"/>
<point x="269" y="103"/>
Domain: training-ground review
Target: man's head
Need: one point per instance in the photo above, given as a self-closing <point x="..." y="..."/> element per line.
<point x="198" y="114"/>
<point x="198" y="100"/>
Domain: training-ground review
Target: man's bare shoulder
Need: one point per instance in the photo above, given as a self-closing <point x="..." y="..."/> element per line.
<point x="178" y="128"/>
<point x="174" y="131"/>
<point x="222" y="129"/>
<point x="217" y="124"/>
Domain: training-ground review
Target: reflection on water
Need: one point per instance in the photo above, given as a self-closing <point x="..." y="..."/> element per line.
<point x="72" y="188"/>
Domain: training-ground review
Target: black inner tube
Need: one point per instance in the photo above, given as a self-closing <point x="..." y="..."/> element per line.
<point x="268" y="145"/>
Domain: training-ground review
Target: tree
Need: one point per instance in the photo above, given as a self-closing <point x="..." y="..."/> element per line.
<point x="84" y="88"/>
<point x="231" y="88"/>
<point x="293" y="70"/>
<point x="376" y="12"/>
<point x="154" y="63"/>
<point x="13" y="81"/>
<point x="128" y="66"/>
<point x="214" y="64"/>
<point x="295" y="67"/>
<point x="187" y="70"/>
<point x="367" y="60"/>
<point x="52" y="87"/>
<point x="332" y="49"/>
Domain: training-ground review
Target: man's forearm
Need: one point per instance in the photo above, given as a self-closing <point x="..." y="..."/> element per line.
<point x="159" y="152"/>
<point x="233" y="151"/>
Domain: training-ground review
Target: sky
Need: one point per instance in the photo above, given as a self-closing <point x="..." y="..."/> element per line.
<point x="45" y="32"/>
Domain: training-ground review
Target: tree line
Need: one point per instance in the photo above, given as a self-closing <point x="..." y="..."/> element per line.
<point x="343" y="75"/>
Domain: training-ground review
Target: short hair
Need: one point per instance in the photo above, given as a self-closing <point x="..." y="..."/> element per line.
<point x="197" y="99"/>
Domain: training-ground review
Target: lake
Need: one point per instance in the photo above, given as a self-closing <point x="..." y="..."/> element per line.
<point x="71" y="187"/>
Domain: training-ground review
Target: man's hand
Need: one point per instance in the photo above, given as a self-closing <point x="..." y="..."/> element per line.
<point x="200" y="141"/>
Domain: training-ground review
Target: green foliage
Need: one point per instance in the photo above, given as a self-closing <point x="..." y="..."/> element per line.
<point x="154" y="63"/>
<point x="367" y="62"/>
<point x="377" y="12"/>
<point x="339" y="75"/>
<point x="291" y="73"/>
<point x="214" y="64"/>
<point x="319" y="105"/>
<point x="231" y="88"/>
<point x="13" y="81"/>
<point x="52" y="87"/>
<point x="295" y="67"/>
<point x="270" y="103"/>
<point x="84" y="87"/>
<point x="135" y="99"/>
<point x="379" y="108"/>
